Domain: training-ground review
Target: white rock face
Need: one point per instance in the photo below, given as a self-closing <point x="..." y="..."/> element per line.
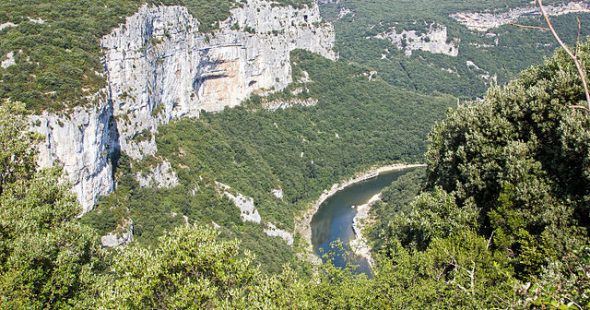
<point x="113" y="240"/>
<point x="249" y="213"/>
<point x="159" y="67"/>
<point x="278" y="193"/>
<point x="284" y="104"/>
<point x="272" y="231"/>
<point x="344" y="12"/>
<point x="484" y="75"/>
<point x="485" y="21"/>
<point x="84" y="142"/>
<point x="435" y="41"/>
<point x="7" y="25"/>
<point x="161" y="176"/>
<point x="8" y="60"/>
<point x="36" y="21"/>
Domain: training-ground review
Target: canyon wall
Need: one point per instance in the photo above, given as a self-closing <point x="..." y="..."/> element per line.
<point x="159" y="67"/>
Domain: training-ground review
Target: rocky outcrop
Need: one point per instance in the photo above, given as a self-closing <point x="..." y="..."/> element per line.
<point x="8" y="60"/>
<point x="160" y="176"/>
<point x="85" y="142"/>
<point x="435" y="40"/>
<point x="272" y="231"/>
<point x="278" y="193"/>
<point x="249" y="213"/>
<point x="7" y="25"/>
<point x="345" y="12"/>
<point x="359" y="244"/>
<point x="159" y="67"/>
<point x="115" y="239"/>
<point x="284" y="104"/>
<point x="485" y="21"/>
<point x="484" y="75"/>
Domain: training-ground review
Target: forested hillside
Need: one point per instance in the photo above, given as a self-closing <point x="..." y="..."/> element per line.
<point x="483" y="57"/>
<point x="512" y="170"/>
<point x="501" y="220"/>
<point x="56" y="45"/>
<point x="197" y="205"/>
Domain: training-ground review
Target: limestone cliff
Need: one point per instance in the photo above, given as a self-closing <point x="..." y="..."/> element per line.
<point x="435" y="40"/>
<point x="159" y="67"/>
<point x="85" y="143"/>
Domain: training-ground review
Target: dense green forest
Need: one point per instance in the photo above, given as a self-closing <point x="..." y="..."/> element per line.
<point x="516" y="49"/>
<point x="499" y="219"/>
<point x="357" y="123"/>
<point x="513" y="169"/>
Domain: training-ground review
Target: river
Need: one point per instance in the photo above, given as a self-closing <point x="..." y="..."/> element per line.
<point x="333" y="220"/>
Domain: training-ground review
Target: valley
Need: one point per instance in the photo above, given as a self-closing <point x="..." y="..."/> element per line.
<point x="213" y="154"/>
<point x="337" y="214"/>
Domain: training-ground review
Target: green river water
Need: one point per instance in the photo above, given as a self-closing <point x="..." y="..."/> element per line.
<point x="333" y="221"/>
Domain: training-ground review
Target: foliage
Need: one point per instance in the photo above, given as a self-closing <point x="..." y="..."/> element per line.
<point x="514" y="169"/>
<point x="56" y="59"/>
<point x="502" y="220"/>
<point x="563" y="283"/>
<point x="522" y="157"/>
<point x="458" y="271"/>
<point x="430" y="215"/>
<point x="188" y="268"/>
<point x="16" y="155"/>
<point x="192" y="267"/>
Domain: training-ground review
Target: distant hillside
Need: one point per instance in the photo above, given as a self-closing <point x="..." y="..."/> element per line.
<point x="448" y="55"/>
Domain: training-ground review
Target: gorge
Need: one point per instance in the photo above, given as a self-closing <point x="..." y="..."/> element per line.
<point x="263" y="154"/>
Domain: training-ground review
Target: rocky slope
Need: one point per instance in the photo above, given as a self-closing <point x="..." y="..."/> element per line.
<point x="485" y="21"/>
<point x="159" y="67"/>
<point x="435" y="41"/>
<point x="249" y="213"/>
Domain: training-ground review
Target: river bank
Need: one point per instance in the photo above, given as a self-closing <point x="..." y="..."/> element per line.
<point x="360" y="244"/>
<point x="303" y="224"/>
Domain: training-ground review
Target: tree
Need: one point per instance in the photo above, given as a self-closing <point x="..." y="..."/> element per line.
<point x="431" y="215"/>
<point x="188" y="268"/>
<point x="17" y="158"/>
